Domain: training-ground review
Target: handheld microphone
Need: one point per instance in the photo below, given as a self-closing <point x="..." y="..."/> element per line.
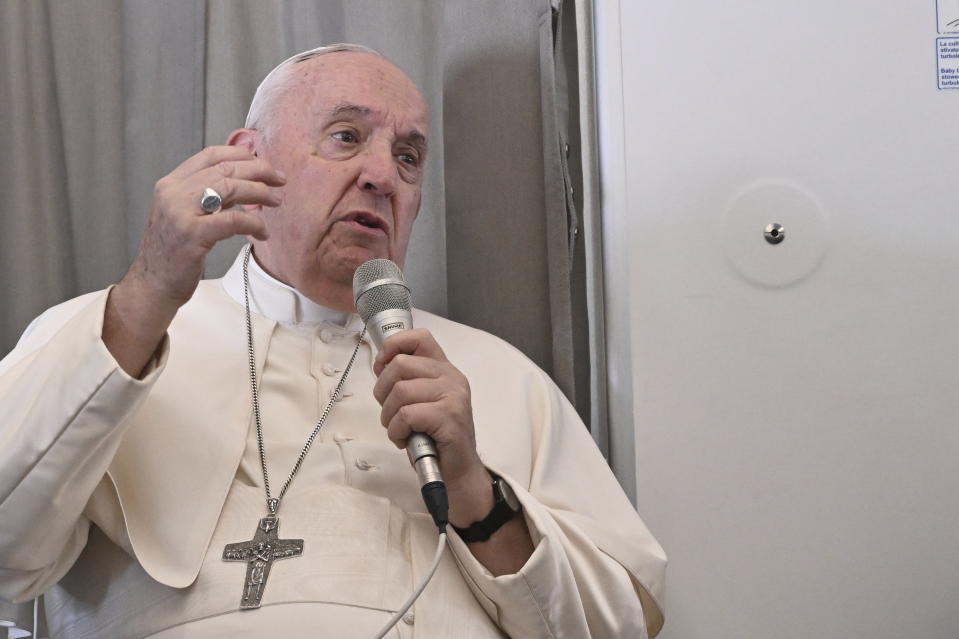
<point x="382" y="299"/>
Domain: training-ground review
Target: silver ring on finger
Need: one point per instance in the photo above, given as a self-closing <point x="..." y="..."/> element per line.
<point x="210" y="201"/>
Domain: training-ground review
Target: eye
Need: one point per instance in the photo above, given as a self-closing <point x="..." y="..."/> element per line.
<point x="348" y="137"/>
<point x="409" y="158"/>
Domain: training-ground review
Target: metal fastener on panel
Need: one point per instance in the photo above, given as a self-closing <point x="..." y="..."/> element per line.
<point x="774" y="233"/>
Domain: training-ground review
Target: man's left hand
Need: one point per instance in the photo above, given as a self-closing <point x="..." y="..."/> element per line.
<point x="420" y="390"/>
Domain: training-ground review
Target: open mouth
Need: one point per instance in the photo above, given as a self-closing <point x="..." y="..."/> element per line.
<point x="368" y="220"/>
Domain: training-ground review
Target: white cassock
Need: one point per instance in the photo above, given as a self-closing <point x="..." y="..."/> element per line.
<point x="167" y="470"/>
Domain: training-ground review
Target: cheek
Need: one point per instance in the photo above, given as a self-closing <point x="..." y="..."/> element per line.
<point x="404" y="222"/>
<point x="286" y="222"/>
<point x="305" y="209"/>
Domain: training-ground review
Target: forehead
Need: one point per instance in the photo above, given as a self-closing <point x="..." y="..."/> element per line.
<point x="379" y="89"/>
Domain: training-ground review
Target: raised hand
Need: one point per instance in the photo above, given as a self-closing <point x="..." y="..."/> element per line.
<point x="178" y="236"/>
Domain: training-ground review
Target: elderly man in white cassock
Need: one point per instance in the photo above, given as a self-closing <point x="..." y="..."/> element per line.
<point x="224" y="458"/>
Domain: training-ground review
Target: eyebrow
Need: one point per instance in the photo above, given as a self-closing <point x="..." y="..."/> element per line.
<point x="414" y="137"/>
<point x="349" y="109"/>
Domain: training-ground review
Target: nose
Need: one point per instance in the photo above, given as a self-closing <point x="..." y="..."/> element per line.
<point x="378" y="172"/>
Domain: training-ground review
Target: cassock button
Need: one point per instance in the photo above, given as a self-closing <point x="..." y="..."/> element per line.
<point x="339" y="437"/>
<point x="343" y="393"/>
<point x="326" y="335"/>
<point x="408" y="618"/>
<point x="328" y="369"/>
<point x="362" y="464"/>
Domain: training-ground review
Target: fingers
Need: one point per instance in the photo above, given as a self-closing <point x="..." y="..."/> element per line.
<point x="251" y="169"/>
<point x="237" y="176"/>
<point x="407" y="392"/>
<point x="405" y="367"/>
<point x="230" y="222"/>
<point x="412" y="417"/>
<point x="236" y="192"/>
<point x="247" y="181"/>
<point x="426" y="395"/>
<point x="210" y="156"/>
<point x="179" y="234"/>
<point x="448" y="421"/>
<point x="417" y="341"/>
<point x="421" y="391"/>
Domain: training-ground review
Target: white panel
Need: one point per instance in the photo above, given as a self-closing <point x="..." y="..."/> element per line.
<point x="620" y="446"/>
<point x="795" y="405"/>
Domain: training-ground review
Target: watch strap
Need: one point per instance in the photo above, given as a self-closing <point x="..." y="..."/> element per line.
<point x="483" y="529"/>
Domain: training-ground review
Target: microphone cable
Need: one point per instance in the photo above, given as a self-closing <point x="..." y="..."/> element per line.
<point x="440" y="547"/>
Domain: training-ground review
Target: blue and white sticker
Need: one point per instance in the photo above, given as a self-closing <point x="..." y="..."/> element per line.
<point x="948" y="54"/>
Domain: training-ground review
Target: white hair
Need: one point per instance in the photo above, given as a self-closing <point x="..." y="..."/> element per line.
<point x="278" y="81"/>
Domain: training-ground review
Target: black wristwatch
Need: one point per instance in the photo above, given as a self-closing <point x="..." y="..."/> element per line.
<point x="505" y="507"/>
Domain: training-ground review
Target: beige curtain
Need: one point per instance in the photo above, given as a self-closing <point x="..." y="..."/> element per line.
<point x="64" y="217"/>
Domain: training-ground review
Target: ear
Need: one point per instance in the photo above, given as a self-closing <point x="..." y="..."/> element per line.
<point x="247" y="139"/>
<point x="243" y="137"/>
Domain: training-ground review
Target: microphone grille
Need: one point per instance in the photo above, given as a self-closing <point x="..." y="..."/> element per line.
<point x="372" y="270"/>
<point x="388" y="295"/>
<point x="381" y="298"/>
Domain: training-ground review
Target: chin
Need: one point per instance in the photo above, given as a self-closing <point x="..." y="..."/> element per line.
<point x="338" y="272"/>
<point x="354" y="258"/>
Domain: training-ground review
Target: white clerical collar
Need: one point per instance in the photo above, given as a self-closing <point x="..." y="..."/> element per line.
<point x="279" y="301"/>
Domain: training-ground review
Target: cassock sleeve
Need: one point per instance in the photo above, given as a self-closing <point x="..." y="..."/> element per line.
<point x="64" y="402"/>
<point x="595" y="565"/>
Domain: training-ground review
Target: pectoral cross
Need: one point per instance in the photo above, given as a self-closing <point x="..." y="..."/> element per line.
<point x="259" y="553"/>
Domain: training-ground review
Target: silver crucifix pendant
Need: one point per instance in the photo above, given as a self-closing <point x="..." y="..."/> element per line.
<point x="259" y="553"/>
